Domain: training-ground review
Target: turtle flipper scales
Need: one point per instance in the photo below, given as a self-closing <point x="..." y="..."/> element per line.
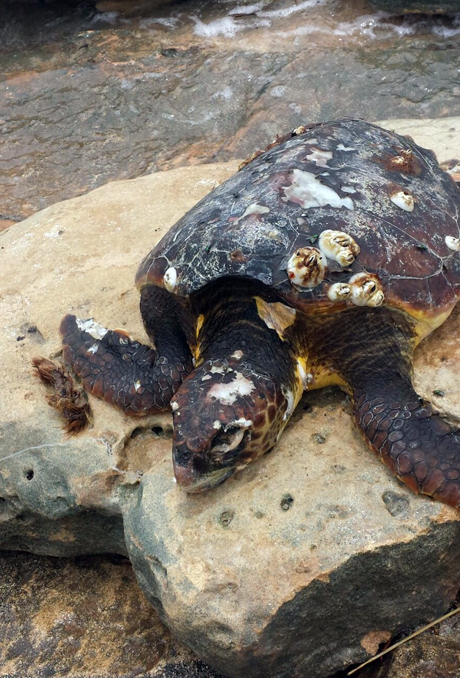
<point x="123" y="372"/>
<point x="371" y="350"/>
<point x="421" y="448"/>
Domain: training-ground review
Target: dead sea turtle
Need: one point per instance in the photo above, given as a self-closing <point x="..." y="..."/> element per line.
<point x="325" y="260"/>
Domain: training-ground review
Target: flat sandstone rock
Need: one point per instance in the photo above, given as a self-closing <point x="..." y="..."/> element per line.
<point x="300" y="565"/>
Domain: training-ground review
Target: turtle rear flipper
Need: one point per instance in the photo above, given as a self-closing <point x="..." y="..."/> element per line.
<point x="372" y="351"/>
<point x="420" y="447"/>
<point x="123" y="372"/>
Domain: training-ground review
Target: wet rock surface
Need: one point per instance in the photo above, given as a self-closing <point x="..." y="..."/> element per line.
<point x="300" y="565"/>
<point x="84" y="617"/>
<point x="95" y="93"/>
<point x="418" y="6"/>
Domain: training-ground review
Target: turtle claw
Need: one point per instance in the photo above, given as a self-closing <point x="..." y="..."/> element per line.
<point x="113" y="367"/>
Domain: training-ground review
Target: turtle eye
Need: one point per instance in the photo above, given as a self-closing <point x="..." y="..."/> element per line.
<point x="228" y="440"/>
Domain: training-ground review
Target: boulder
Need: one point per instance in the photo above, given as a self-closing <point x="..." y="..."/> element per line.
<point x="302" y="564"/>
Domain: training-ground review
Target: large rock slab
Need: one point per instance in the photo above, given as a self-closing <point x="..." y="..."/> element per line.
<point x="300" y="565"/>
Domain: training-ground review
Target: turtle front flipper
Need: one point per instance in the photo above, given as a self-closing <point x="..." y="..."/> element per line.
<point x="373" y="354"/>
<point x="127" y="374"/>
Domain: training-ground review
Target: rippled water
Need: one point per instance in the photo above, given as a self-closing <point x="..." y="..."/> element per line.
<point x="93" y="93"/>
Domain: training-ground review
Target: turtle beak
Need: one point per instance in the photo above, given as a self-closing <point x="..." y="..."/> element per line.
<point x="192" y="476"/>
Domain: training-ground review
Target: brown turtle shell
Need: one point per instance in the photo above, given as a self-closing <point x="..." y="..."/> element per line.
<point x="342" y="176"/>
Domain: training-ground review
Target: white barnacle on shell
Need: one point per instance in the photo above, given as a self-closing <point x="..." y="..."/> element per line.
<point x="137" y="386"/>
<point x="307" y="267"/>
<point x="238" y="354"/>
<point x="339" y="247"/>
<point x="404" y="200"/>
<point x="366" y="290"/>
<point x="91" y="327"/>
<point x="174" y="406"/>
<point x="452" y="243"/>
<point x="92" y="349"/>
<point x="170" y="279"/>
<point x="217" y="425"/>
<point x="308" y="191"/>
<point x="339" y="292"/>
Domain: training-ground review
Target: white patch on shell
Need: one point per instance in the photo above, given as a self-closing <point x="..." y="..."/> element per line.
<point x="92" y="349"/>
<point x="306" y="190"/>
<point x="348" y="189"/>
<point x="227" y="393"/>
<point x="307" y="267"/>
<point x="92" y="327"/>
<point x="242" y="422"/>
<point x="216" y="369"/>
<point x="339" y="292"/>
<point x="366" y="290"/>
<point x="403" y="200"/>
<point x="305" y="377"/>
<point x="255" y="208"/>
<point x="339" y="247"/>
<point x="290" y="402"/>
<point x="170" y="279"/>
<point x="276" y="315"/>
<point x="452" y="243"/>
<point x="454" y="170"/>
<point x="217" y="425"/>
<point x="174" y="406"/>
<point x="206" y="377"/>
<point x="137" y="386"/>
<point x="237" y="355"/>
<point x="319" y="157"/>
<point x="341" y="147"/>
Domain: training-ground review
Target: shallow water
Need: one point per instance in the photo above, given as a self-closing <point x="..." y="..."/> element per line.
<point x="94" y="93"/>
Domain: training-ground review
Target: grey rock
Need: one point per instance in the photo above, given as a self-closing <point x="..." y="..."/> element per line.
<point x="300" y="565"/>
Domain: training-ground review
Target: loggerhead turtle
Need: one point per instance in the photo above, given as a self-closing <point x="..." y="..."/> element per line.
<point x="325" y="260"/>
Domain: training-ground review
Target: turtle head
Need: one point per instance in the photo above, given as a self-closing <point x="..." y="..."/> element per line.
<point x="225" y="416"/>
